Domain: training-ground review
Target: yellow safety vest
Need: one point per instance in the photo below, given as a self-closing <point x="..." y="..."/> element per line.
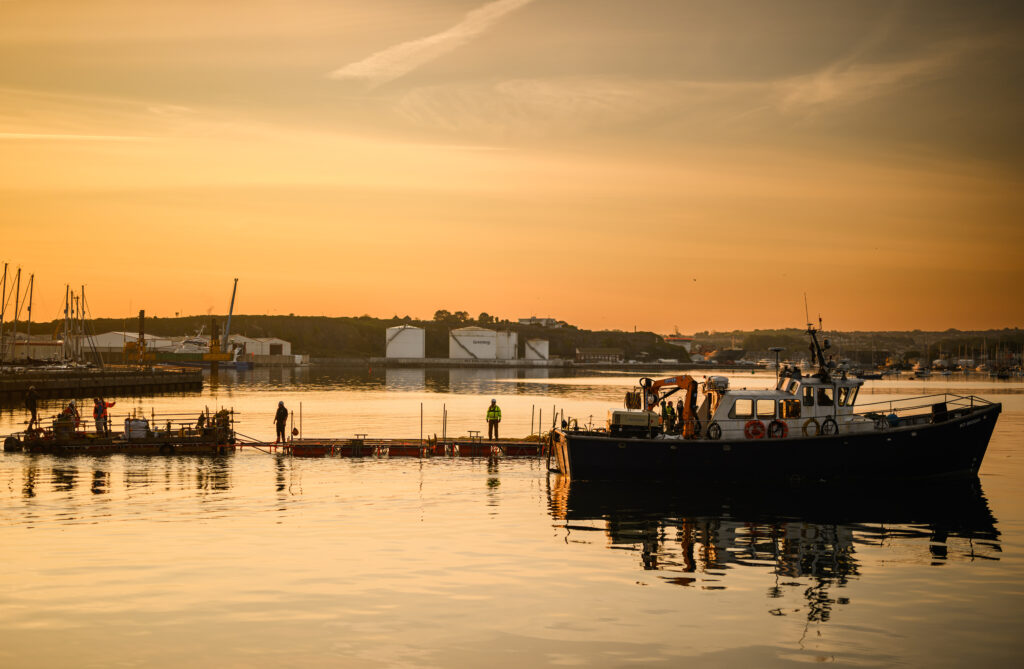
<point x="494" y="412"/>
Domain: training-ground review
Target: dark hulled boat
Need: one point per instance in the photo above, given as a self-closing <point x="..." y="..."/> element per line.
<point x="806" y="429"/>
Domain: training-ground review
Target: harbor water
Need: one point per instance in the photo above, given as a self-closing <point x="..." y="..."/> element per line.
<point x="254" y="560"/>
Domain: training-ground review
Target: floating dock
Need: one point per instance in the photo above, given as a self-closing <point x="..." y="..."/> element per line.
<point x="72" y="383"/>
<point x="414" y="448"/>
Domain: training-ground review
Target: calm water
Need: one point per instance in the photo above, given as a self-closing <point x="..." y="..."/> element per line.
<point x="259" y="560"/>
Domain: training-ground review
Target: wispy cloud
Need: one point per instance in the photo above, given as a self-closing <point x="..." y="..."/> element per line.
<point x="71" y="138"/>
<point x="849" y="84"/>
<point x="399" y="60"/>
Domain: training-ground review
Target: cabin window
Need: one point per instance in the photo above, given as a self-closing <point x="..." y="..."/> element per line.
<point x="844" y="394"/>
<point x="853" y="396"/>
<point x="790" y="408"/>
<point x="793" y="386"/>
<point x="808" y="396"/>
<point x="743" y="408"/>
<point x="766" y="408"/>
<point x="824" y="397"/>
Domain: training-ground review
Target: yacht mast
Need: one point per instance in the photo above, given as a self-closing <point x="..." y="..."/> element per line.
<point x="28" y="326"/>
<point x="67" y="301"/>
<point x="3" y="304"/>
<point x="17" y="302"/>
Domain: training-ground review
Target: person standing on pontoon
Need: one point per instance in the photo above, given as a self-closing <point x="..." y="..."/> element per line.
<point x="32" y="404"/>
<point x="493" y="418"/>
<point x="281" y="421"/>
<point x="99" y="413"/>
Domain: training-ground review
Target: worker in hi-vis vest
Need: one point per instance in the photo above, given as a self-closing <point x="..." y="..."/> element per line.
<point x="493" y="418"/>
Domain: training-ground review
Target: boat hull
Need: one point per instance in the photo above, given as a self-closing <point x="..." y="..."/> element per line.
<point x="950" y="447"/>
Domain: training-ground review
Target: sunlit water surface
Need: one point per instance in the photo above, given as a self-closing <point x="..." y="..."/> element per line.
<point x="261" y="560"/>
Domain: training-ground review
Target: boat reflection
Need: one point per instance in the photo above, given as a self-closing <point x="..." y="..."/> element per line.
<point x="806" y="541"/>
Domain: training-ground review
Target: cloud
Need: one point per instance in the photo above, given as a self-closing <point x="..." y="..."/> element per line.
<point x="850" y="84"/>
<point x="71" y="138"/>
<point x="399" y="60"/>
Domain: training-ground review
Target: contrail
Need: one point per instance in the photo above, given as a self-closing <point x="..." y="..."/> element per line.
<point x="399" y="60"/>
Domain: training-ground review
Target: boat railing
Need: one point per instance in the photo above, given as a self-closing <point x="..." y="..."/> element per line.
<point x="912" y="404"/>
<point x="178" y="424"/>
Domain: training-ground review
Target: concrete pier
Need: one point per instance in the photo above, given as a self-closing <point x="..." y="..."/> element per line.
<point x="74" y="383"/>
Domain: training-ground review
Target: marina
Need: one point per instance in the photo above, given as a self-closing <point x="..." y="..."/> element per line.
<point x="511" y="334"/>
<point x="342" y="538"/>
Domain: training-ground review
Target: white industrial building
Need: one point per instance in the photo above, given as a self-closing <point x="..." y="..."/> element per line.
<point x="537" y="349"/>
<point x="268" y="346"/>
<point x="506" y="345"/>
<point x="405" y="341"/>
<point x="473" y="344"/>
<point x="113" y="342"/>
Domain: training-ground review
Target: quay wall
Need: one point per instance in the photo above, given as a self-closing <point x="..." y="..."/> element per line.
<point x="87" y="383"/>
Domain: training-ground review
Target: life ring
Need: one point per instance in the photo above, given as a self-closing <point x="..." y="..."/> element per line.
<point x="754" y="429"/>
<point x="807" y="427"/>
<point x="714" y="431"/>
<point x="829" y="426"/>
<point x="777" y="429"/>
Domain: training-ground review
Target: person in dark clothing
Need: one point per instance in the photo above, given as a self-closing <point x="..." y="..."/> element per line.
<point x="281" y="420"/>
<point x="32" y="404"/>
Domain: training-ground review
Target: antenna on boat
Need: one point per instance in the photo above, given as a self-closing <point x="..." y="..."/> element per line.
<point x="807" y="312"/>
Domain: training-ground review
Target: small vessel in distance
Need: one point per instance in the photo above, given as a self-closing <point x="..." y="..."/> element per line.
<point x="805" y="429"/>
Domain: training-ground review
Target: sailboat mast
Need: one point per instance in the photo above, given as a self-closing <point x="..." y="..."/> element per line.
<point x="3" y="310"/>
<point x="17" y="304"/>
<point x="31" y="287"/>
<point x="67" y="304"/>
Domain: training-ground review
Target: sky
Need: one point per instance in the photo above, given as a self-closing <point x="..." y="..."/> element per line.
<point x="650" y="164"/>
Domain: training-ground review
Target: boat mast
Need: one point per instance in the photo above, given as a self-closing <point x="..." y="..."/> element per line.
<point x="17" y="303"/>
<point x="67" y="300"/>
<point x="3" y="304"/>
<point x="91" y="338"/>
<point x="28" y="326"/>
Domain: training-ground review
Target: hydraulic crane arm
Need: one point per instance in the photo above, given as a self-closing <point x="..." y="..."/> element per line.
<point x="685" y="383"/>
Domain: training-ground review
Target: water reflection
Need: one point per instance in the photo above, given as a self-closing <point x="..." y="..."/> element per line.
<point x="64" y="478"/>
<point x="405" y="379"/>
<point x="806" y="542"/>
<point x="457" y="380"/>
<point x="100" y="482"/>
<point x="213" y="474"/>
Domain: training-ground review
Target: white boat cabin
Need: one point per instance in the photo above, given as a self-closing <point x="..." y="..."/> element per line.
<point x="799" y="406"/>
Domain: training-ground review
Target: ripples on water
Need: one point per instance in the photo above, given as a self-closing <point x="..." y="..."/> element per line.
<point x="255" y="560"/>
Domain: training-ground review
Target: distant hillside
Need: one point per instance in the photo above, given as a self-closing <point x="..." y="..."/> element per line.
<point x="323" y="337"/>
<point x="364" y="336"/>
<point x="865" y="347"/>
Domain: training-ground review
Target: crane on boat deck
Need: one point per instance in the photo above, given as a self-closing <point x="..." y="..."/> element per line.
<point x="652" y="396"/>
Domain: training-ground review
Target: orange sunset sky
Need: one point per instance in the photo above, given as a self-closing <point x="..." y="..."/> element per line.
<point x="649" y="163"/>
